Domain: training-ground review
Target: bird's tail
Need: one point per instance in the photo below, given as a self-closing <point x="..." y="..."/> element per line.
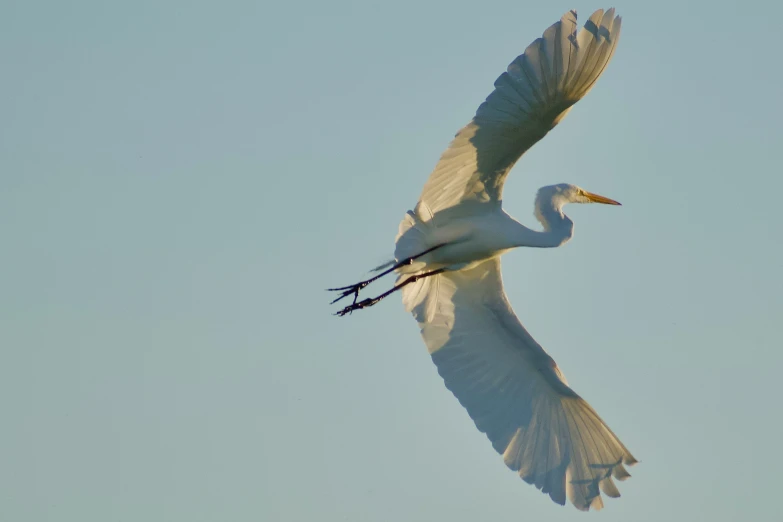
<point x="412" y="239"/>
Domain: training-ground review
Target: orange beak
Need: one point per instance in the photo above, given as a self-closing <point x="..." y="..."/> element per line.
<point x="595" y="198"/>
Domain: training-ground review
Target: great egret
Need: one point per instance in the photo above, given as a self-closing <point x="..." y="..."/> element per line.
<point x="447" y="257"/>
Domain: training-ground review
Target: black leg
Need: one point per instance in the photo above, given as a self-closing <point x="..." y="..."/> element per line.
<point x="354" y="289"/>
<point x="375" y="300"/>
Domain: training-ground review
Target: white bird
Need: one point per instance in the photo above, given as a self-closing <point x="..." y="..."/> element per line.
<point x="447" y="257"/>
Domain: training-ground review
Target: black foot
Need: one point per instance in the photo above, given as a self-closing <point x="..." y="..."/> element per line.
<point x="348" y="290"/>
<point x="356" y="306"/>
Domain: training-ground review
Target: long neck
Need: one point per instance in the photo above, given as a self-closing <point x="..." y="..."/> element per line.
<point x="558" y="228"/>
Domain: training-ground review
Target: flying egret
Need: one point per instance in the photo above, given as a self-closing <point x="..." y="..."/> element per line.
<point x="447" y="258"/>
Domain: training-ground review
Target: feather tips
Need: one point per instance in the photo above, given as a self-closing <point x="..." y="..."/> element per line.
<point x="514" y="392"/>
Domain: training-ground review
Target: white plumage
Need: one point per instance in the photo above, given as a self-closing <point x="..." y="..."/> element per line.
<point x="530" y="98"/>
<point x="514" y="391"/>
<point x="447" y="257"/>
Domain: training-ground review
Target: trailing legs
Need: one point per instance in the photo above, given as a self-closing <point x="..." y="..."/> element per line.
<point x="354" y="289"/>
<point x="371" y="301"/>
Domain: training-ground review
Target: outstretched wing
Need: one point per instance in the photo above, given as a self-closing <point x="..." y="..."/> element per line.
<point x="529" y="99"/>
<point x="513" y="390"/>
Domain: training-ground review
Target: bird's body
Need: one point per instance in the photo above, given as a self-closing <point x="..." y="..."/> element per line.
<point x="477" y="237"/>
<point x="465" y="240"/>
<point x="447" y="259"/>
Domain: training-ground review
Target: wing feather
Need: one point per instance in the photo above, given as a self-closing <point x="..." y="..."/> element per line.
<point x="530" y="98"/>
<point x="514" y="391"/>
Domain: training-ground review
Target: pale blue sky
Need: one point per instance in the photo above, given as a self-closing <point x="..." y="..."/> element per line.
<point x="179" y="181"/>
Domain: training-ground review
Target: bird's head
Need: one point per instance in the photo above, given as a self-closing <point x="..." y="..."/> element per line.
<point x="564" y="193"/>
<point x="549" y="206"/>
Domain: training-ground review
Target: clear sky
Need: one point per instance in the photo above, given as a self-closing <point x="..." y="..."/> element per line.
<point x="180" y="180"/>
